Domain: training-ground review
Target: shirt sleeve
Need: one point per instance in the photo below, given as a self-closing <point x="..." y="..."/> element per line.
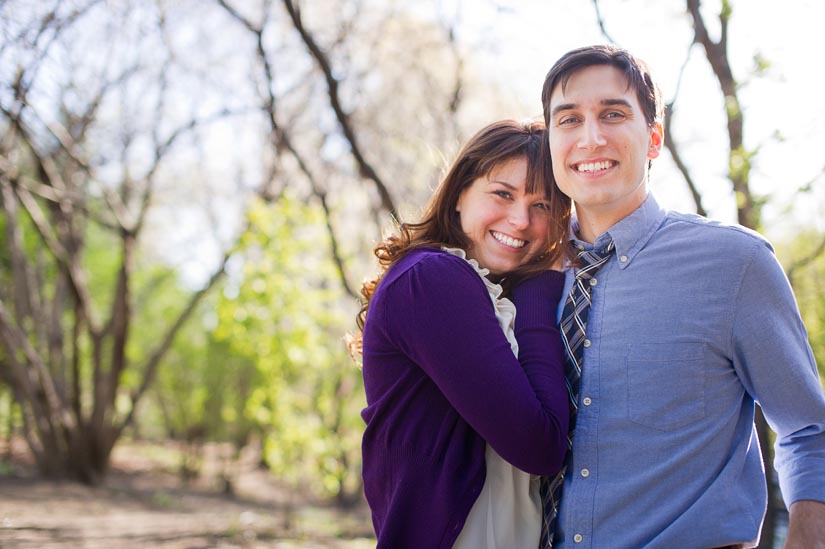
<point x="777" y="367"/>
<point x="441" y="316"/>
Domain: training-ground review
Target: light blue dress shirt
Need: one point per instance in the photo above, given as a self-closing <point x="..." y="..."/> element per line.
<point x="692" y="321"/>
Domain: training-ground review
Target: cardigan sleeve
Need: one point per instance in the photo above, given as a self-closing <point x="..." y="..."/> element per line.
<point x="440" y="315"/>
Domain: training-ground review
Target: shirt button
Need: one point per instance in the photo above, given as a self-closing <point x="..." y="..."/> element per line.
<point x="585" y="473"/>
<point x="587" y="401"/>
<point x="578" y="538"/>
<point x="623" y="259"/>
<point x="580" y="247"/>
<point x="586" y="343"/>
<point x="593" y="281"/>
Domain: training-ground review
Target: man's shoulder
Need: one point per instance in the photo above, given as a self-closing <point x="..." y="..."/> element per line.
<point x="705" y="230"/>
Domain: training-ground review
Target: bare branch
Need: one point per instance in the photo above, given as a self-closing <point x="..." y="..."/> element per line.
<point x="17" y="342"/>
<point x="717" y="55"/>
<point x="601" y="23"/>
<point x="49" y="22"/>
<point x="282" y="141"/>
<point x="66" y="143"/>
<point x="458" y="86"/>
<point x="67" y="261"/>
<point x="682" y="70"/>
<point x="818" y="252"/>
<point x="24" y="302"/>
<point x="809" y="185"/>
<point x="151" y="366"/>
<point x="671" y="144"/>
<point x="336" y="251"/>
<point x="321" y="58"/>
<point x="673" y="148"/>
<point x="163" y="147"/>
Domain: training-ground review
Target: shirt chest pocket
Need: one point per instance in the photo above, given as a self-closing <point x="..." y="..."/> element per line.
<point x="666" y="384"/>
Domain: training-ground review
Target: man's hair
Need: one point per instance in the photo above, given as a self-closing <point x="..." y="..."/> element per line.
<point x="635" y="70"/>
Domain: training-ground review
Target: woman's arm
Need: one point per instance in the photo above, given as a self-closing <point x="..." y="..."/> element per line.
<point x="440" y="315"/>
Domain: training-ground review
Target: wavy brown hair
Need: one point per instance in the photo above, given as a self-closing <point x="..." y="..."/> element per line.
<point x="440" y="225"/>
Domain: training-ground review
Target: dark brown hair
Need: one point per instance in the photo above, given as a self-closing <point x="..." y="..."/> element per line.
<point x="440" y="225"/>
<point x="635" y="70"/>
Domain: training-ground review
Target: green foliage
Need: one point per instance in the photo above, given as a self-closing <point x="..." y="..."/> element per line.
<point x="202" y="387"/>
<point x="808" y="281"/>
<point x="726" y="12"/>
<point x="761" y="64"/>
<point x="284" y="314"/>
<point x="267" y="358"/>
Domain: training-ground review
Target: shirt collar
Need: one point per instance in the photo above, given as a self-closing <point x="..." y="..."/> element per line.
<point x="630" y="234"/>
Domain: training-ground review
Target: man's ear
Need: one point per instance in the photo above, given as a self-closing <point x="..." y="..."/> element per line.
<point x="657" y="140"/>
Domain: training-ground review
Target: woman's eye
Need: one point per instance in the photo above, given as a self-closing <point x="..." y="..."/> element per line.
<point x="543" y="206"/>
<point x="503" y="194"/>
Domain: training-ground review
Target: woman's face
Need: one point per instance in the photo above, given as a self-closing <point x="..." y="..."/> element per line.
<point x="506" y="226"/>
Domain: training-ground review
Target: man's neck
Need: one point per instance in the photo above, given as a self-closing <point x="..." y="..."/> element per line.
<point x="594" y="222"/>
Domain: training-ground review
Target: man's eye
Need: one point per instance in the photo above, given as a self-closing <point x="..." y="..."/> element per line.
<point x="567" y="120"/>
<point x="614" y="115"/>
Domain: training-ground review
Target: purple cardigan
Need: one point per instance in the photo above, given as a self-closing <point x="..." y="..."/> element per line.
<point x="441" y="380"/>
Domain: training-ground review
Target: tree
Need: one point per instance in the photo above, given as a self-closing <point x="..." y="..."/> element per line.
<point x="748" y="214"/>
<point x="97" y="143"/>
<point x="81" y="159"/>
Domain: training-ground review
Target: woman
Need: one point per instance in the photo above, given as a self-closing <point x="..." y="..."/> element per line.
<point x="456" y="424"/>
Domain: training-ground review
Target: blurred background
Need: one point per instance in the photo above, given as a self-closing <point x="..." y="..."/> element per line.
<point x="191" y="191"/>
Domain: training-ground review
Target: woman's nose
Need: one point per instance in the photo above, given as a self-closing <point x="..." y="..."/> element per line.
<point x="519" y="217"/>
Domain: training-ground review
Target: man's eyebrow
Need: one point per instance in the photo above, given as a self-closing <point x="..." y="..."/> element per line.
<point x="619" y="102"/>
<point x="606" y="102"/>
<point x="563" y="107"/>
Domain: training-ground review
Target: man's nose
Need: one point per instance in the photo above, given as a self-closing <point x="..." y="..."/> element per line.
<point x="592" y="136"/>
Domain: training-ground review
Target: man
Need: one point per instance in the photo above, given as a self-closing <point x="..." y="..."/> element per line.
<point x="691" y="322"/>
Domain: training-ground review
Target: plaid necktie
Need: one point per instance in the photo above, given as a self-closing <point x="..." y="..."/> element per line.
<point x="573" y="330"/>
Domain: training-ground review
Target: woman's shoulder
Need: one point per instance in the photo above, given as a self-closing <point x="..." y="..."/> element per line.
<point x="429" y="259"/>
<point x="432" y="266"/>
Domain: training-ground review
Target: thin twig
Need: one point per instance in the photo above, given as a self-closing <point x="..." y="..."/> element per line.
<point x="601" y="23"/>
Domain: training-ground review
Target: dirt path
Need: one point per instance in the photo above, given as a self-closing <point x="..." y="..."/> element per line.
<point x="145" y="504"/>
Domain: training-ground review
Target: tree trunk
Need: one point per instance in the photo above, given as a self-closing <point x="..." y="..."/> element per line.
<point x="769" y="527"/>
<point x="748" y="213"/>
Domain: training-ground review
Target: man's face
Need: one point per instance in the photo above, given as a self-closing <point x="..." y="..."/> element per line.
<point x="600" y="144"/>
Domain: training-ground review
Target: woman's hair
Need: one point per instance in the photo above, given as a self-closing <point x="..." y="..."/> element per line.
<point x="491" y="147"/>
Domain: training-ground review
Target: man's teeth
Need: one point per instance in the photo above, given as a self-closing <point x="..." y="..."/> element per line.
<point x="508" y="240"/>
<point x="594" y="166"/>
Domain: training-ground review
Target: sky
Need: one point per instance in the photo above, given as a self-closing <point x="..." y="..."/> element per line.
<point x="520" y="40"/>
